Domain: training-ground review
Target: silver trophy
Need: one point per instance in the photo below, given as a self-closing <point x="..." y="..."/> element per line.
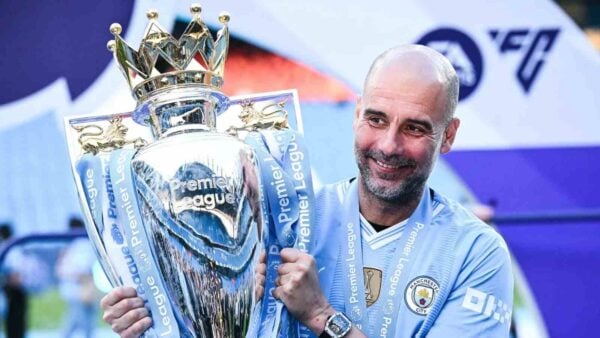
<point x="173" y="206"/>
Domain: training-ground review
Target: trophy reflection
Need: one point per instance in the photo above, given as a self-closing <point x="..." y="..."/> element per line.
<point x="179" y="217"/>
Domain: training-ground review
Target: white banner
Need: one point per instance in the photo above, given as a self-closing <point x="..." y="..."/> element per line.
<point x="529" y="77"/>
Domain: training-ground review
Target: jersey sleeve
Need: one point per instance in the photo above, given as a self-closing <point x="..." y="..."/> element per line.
<point x="480" y="302"/>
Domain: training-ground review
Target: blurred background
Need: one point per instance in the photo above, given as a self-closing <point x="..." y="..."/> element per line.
<point x="526" y="158"/>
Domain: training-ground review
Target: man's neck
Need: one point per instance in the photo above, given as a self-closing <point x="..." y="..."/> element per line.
<point x="386" y="213"/>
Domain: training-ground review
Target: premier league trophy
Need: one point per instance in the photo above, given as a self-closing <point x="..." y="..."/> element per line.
<point x="176" y="211"/>
<point x="183" y="209"/>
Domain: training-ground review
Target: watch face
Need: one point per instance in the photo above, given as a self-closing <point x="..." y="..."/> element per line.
<point x="338" y="325"/>
<point x="335" y="328"/>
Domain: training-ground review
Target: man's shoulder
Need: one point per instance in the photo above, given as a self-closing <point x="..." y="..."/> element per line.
<point x="340" y="186"/>
<point x="469" y="227"/>
<point x="333" y="192"/>
<point x="330" y="199"/>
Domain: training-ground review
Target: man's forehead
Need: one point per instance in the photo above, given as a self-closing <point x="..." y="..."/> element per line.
<point x="397" y="77"/>
<point x="400" y="91"/>
<point x="408" y="102"/>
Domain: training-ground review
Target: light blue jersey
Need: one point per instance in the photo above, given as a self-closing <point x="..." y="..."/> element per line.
<point x="441" y="273"/>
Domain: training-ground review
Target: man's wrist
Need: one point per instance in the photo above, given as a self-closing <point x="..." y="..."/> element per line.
<point x="317" y="323"/>
<point x="337" y="326"/>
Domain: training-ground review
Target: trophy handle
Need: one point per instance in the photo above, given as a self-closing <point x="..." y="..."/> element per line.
<point x="90" y="139"/>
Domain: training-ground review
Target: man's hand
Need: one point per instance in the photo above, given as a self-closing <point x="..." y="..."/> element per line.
<point x="297" y="286"/>
<point x="260" y="275"/>
<point x="125" y="312"/>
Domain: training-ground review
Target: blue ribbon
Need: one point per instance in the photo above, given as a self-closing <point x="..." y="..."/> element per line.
<point x="287" y="183"/>
<point x="400" y="264"/>
<point x="89" y="171"/>
<point x="94" y="172"/>
<point x="289" y="147"/>
<point x="164" y="323"/>
<point x="273" y="180"/>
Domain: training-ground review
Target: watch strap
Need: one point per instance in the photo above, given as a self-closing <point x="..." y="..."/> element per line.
<point x="324" y="334"/>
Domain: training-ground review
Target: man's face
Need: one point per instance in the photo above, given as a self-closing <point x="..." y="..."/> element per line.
<point x="400" y="128"/>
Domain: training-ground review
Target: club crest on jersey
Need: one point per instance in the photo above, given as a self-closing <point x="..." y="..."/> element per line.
<point x="373" y="280"/>
<point x="420" y="294"/>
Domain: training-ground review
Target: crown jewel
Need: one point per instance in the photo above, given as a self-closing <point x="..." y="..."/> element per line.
<point x="195" y="59"/>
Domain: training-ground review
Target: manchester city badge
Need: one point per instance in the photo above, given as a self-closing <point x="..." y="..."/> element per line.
<point x="420" y="294"/>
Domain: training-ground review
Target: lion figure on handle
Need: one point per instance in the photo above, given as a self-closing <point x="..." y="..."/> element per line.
<point x="271" y="116"/>
<point x="94" y="139"/>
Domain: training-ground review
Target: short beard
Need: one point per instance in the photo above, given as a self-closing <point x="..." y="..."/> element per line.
<point x="407" y="191"/>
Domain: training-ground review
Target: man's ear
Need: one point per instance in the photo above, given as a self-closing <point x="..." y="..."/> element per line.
<point x="449" y="135"/>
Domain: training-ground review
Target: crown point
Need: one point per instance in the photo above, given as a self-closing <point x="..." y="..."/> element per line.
<point x="115" y="29"/>
<point x="224" y="18"/>
<point x="110" y="45"/>
<point x="195" y="9"/>
<point x="152" y="14"/>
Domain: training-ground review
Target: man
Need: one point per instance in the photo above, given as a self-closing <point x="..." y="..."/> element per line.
<point x="15" y="292"/>
<point x="76" y="284"/>
<point x="393" y="258"/>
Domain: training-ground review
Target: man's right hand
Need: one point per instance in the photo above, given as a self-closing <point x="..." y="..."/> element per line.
<point x="124" y="311"/>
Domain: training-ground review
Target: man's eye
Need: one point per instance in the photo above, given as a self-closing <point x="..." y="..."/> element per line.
<point x="417" y="130"/>
<point x="376" y="121"/>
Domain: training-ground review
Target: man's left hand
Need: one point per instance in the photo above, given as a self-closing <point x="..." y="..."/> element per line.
<point x="297" y="286"/>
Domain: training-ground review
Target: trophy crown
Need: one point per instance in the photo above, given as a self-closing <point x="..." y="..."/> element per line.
<point x="195" y="60"/>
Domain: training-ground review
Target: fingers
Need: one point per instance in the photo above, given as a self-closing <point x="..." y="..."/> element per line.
<point x="261" y="269"/>
<point x="118" y="310"/>
<point x="259" y="279"/>
<point x="259" y="292"/>
<point x="290" y="255"/>
<point x="116" y="295"/>
<point x="137" y="328"/>
<point x="263" y="257"/>
<point x="125" y="312"/>
<point x="277" y="293"/>
<point x="283" y="291"/>
<point x="260" y="274"/>
<point x="293" y="278"/>
<point x="130" y="320"/>
<point x="303" y="264"/>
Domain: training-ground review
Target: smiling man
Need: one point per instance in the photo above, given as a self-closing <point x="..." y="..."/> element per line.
<point x="393" y="258"/>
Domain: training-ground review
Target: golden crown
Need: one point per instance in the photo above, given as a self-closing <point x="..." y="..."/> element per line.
<point x="139" y="67"/>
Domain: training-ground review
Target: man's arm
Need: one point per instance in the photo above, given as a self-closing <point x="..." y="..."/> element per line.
<point x="297" y="286"/>
<point x="480" y="304"/>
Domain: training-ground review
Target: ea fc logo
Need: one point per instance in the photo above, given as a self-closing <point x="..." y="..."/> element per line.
<point x="462" y="52"/>
<point x="420" y="294"/>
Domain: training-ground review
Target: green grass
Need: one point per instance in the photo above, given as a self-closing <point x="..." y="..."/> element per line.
<point x="46" y="311"/>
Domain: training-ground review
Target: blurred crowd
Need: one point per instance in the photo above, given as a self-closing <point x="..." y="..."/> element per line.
<point x="42" y="269"/>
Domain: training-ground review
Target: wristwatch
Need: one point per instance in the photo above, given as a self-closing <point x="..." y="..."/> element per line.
<point x="337" y="326"/>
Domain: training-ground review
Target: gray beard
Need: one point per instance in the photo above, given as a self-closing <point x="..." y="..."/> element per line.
<point x="407" y="191"/>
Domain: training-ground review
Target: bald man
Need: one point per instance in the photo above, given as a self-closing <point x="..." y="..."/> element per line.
<point x="396" y="259"/>
<point x="393" y="258"/>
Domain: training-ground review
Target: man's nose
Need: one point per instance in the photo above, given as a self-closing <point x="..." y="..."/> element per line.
<point x="390" y="143"/>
